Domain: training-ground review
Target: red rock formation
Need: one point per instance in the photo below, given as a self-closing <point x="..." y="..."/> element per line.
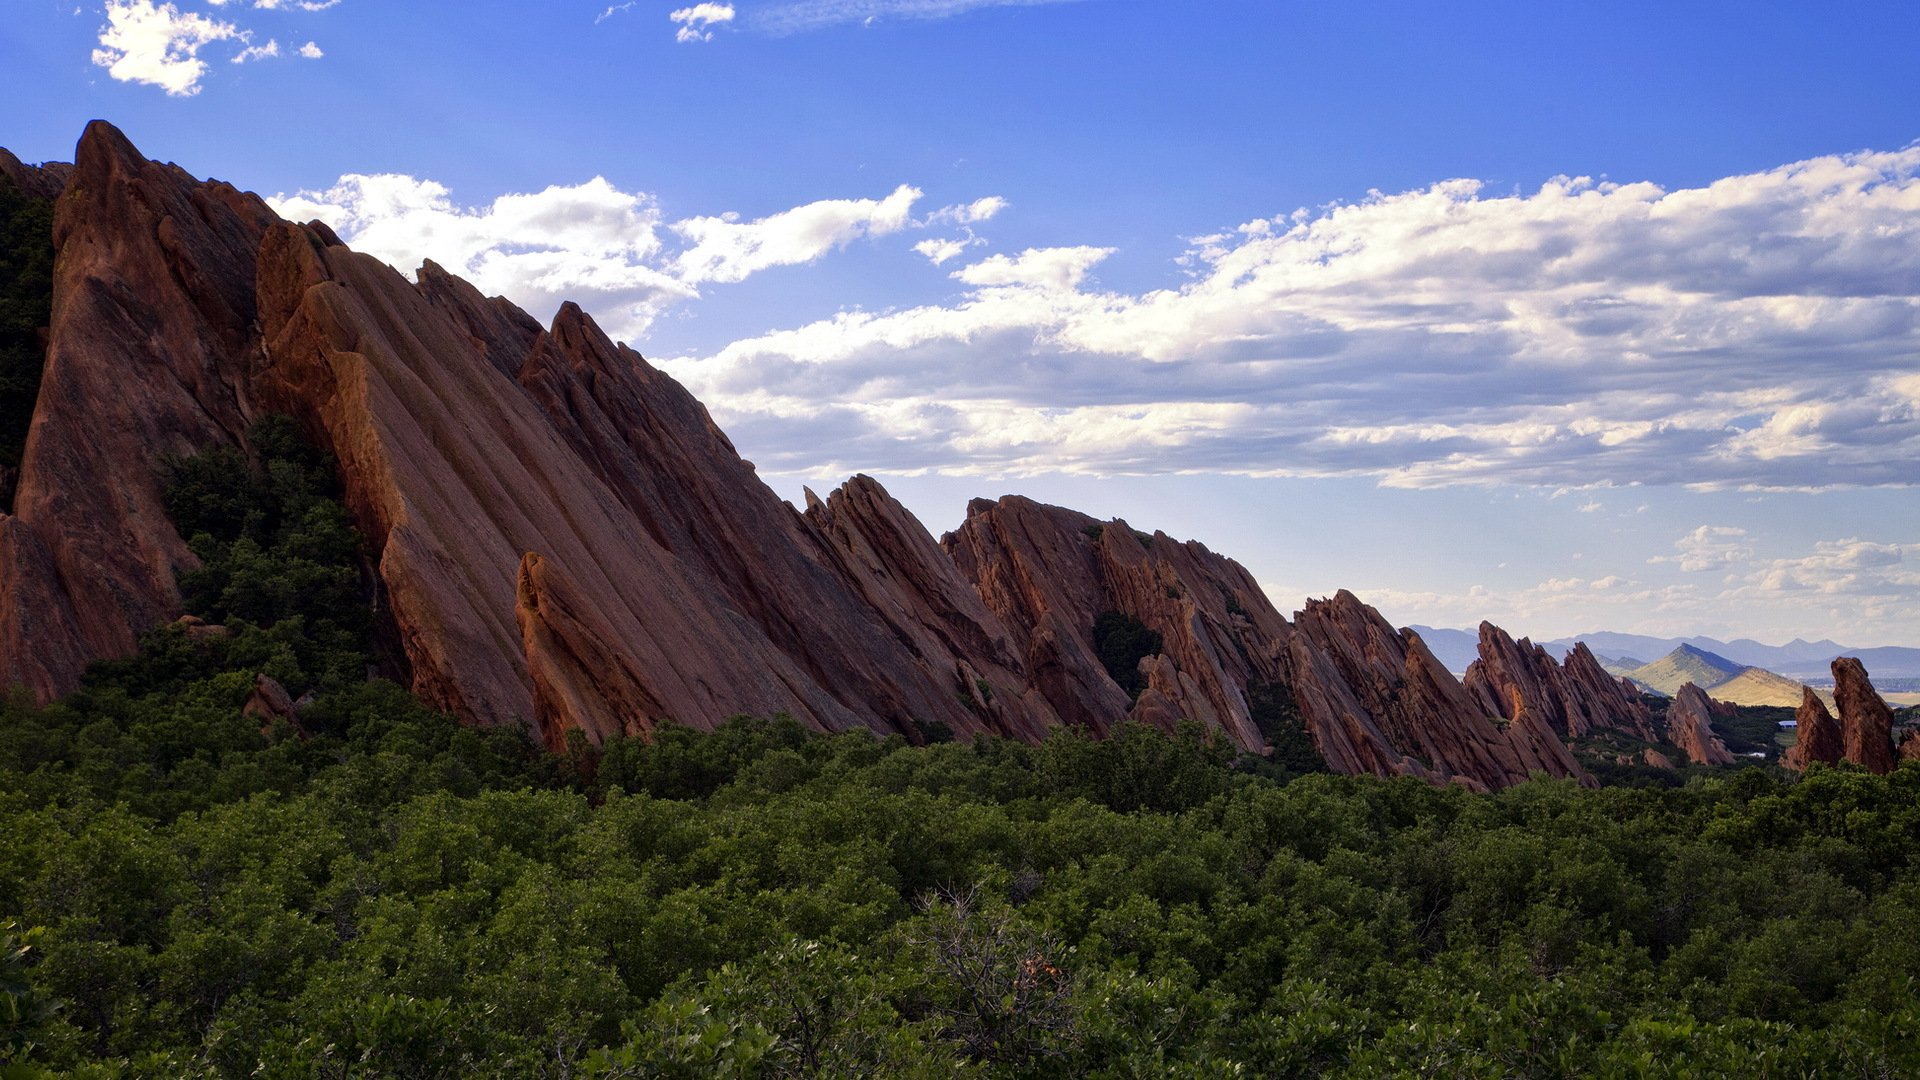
<point x="1816" y="734"/>
<point x="35" y="181"/>
<point x="147" y="355"/>
<point x="1514" y="679"/>
<point x="1690" y="727"/>
<point x="1609" y="702"/>
<point x="1412" y="717"/>
<point x="1910" y="746"/>
<point x="1866" y="724"/>
<point x="1048" y="573"/>
<point x="563" y="539"/>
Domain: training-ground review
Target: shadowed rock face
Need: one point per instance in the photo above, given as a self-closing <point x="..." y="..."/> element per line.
<point x="1378" y="694"/>
<point x="1817" y="734"/>
<point x="1866" y="723"/>
<point x="1048" y="574"/>
<point x="563" y="539"/>
<point x="1515" y="679"/>
<point x="147" y="355"/>
<point x="1690" y="727"/>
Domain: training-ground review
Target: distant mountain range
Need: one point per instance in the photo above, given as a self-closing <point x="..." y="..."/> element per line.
<point x="1806" y="661"/>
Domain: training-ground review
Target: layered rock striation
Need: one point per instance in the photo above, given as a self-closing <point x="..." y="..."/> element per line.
<point x="561" y="538"/>
<point x="1817" y="735"/>
<point x="1690" y="727"/>
<point x="1515" y="679"/>
<point x="1866" y="723"/>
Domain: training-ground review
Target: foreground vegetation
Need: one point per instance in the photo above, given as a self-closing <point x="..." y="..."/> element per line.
<point x="377" y="891"/>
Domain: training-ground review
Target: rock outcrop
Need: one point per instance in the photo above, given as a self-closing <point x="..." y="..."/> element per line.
<point x="1047" y="574"/>
<point x="1816" y="735"/>
<point x="1910" y="746"/>
<point x="1514" y="679"/>
<point x="1866" y="723"/>
<point x="561" y="538"/>
<point x="1377" y="697"/>
<point x="147" y="355"/>
<point x="1690" y="727"/>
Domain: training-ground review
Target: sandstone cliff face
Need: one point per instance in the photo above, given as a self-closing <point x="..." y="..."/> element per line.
<point x="43" y="181"/>
<point x="1514" y="679"/>
<point x="1424" y="723"/>
<point x="563" y="539"/>
<point x="1866" y="723"/>
<point x="1048" y="573"/>
<point x="1817" y="734"/>
<point x="147" y="355"/>
<point x="1690" y="727"/>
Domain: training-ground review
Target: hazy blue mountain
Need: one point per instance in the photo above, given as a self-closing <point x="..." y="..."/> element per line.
<point x="1806" y="661"/>
<point x="1454" y="648"/>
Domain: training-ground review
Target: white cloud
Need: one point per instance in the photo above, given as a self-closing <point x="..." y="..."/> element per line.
<point x="727" y="249"/>
<point x="589" y="242"/>
<point x="697" y="22"/>
<point x="940" y="250"/>
<point x="158" y="45"/>
<point x="1761" y="331"/>
<point x="257" y="52"/>
<point x="967" y="213"/>
<point x="311" y="51"/>
<point x="613" y="10"/>
<point x="607" y="249"/>
<point x="1058" y="270"/>
<point x="804" y="15"/>
<point x="1709" y="547"/>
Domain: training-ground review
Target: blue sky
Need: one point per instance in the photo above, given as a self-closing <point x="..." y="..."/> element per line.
<point x="1574" y="316"/>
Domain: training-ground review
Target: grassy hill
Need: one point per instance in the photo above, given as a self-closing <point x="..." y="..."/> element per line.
<point x="1684" y="665"/>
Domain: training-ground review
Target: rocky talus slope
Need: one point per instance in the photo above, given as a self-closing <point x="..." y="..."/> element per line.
<point x="561" y="538"/>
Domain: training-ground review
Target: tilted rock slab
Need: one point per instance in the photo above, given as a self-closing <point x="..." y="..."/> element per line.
<point x="1866" y="723"/>
<point x="1690" y="727"/>
<point x="1816" y="734"/>
<point x="561" y="538"/>
<point x="1514" y="679"/>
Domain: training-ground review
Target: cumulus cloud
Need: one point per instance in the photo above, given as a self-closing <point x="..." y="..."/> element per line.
<point x="725" y="248"/>
<point x="1709" y="547"/>
<point x="1761" y="331"/>
<point x="697" y="22"/>
<point x="158" y="45"/>
<point x="612" y="251"/>
<point x="939" y="250"/>
<point x="803" y="15"/>
<point x="257" y="52"/>
<point x="589" y="242"/>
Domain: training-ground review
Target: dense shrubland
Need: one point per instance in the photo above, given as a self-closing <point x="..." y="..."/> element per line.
<point x="386" y="893"/>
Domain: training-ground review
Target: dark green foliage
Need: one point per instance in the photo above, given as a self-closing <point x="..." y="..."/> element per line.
<point x="390" y="894"/>
<point x="1278" y="718"/>
<point x="277" y="548"/>
<point x="1753" y="729"/>
<point x="26" y="304"/>
<point x="1122" y="641"/>
<point x="760" y="902"/>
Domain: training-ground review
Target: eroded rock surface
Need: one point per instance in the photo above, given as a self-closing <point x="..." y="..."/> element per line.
<point x="1816" y="734"/>
<point x="1418" y="720"/>
<point x="1690" y="727"/>
<point x="563" y="539"/>
<point x="1514" y="679"/>
<point x="1866" y="723"/>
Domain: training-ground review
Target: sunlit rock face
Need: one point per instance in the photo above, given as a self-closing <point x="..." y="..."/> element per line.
<point x="561" y="538"/>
